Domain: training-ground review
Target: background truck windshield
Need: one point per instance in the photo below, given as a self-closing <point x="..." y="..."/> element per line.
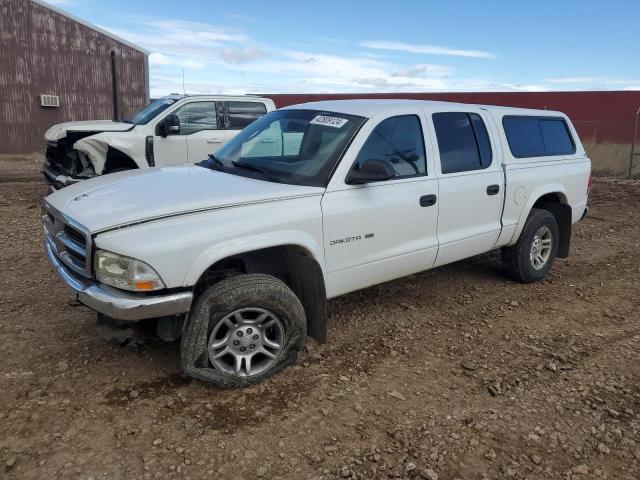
<point x="291" y="146"/>
<point x="151" y="111"/>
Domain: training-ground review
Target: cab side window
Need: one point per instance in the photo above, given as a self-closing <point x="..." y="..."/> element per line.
<point x="463" y="141"/>
<point x="197" y="116"/>
<point x="400" y="141"/>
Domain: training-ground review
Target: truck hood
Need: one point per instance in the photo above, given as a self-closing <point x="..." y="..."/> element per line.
<point x="126" y="198"/>
<point x="58" y="131"/>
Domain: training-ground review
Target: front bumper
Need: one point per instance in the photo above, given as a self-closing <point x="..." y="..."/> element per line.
<point x="56" y="180"/>
<point x="116" y="303"/>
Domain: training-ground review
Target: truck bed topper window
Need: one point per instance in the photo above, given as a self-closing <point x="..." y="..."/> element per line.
<point x="538" y="136"/>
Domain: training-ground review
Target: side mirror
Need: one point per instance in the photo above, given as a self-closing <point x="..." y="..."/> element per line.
<point x="169" y="125"/>
<point x="372" y="170"/>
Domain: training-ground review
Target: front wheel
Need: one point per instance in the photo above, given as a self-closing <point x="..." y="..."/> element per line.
<point x="532" y="256"/>
<point x="243" y="330"/>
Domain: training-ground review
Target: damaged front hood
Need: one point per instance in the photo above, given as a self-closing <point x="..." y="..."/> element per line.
<point x="58" y="131"/>
<point x="126" y="198"/>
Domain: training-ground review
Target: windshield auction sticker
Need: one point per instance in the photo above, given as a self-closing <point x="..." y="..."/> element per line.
<point x="327" y="121"/>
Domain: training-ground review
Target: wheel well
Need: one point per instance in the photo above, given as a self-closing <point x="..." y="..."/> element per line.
<point x="556" y="203"/>
<point x="292" y="264"/>
<point x="116" y="160"/>
<point x="555" y="197"/>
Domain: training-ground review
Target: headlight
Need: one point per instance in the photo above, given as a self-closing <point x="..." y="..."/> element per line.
<point x="125" y="272"/>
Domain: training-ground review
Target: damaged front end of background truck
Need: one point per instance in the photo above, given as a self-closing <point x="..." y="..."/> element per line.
<point x="76" y="151"/>
<point x="172" y="130"/>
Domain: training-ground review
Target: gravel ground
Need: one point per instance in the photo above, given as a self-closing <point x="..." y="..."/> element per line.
<point x="452" y="373"/>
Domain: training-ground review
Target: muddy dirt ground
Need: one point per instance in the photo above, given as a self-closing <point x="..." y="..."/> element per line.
<point x="453" y="373"/>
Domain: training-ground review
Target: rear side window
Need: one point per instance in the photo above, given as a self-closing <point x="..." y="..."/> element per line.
<point x="538" y="136"/>
<point x="463" y="141"/>
<point x="400" y="141"/>
<point x="240" y="114"/>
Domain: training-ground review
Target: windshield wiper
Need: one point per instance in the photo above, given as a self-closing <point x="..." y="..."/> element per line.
<point x="254" y="168"/>
<point x="212" y="163"/>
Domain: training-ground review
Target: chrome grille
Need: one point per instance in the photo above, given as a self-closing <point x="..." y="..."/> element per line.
<point x="69" y="240"/>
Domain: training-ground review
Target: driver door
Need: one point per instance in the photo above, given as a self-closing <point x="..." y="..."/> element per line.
<point x="199" y="136"/>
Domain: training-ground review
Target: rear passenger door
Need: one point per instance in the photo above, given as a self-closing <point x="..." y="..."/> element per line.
<point x="471" y="185"/>
<point x="239" y="114"/>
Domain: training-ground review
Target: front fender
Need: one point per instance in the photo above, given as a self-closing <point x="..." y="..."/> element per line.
<point x="96" y="151"/>
<point x="96" y="147"/>
<point x="181" y="248"/>
<point x="230" y="247"/>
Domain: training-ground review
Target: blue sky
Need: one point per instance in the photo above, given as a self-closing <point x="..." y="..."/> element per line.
<point x="248" y="46"/>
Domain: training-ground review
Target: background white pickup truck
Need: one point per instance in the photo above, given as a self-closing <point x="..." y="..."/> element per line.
<point x="173" y="130"/>
<point x="308" y="203"/>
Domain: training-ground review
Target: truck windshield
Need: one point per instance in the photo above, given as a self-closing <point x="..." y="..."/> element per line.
<point x="299" y="147"/>
<point x="152" y="110"/>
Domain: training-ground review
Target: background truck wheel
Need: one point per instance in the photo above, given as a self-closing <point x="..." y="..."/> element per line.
<point x="532" y="256"/>
<point x="242" y="330"/>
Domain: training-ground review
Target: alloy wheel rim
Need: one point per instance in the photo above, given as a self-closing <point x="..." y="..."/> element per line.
<point x="541" y="246"/>
<point x="246" y="342"/>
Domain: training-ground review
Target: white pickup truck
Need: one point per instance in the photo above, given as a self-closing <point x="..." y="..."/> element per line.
<point x="173" y="130"/>
<point x="238" y="255"/>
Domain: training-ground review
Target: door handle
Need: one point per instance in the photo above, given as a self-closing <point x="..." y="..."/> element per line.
<point x="214" y="140"/>
<point x="493" y="189"/>
<point x="267" y="140"/>
<point x="427" y="200"/>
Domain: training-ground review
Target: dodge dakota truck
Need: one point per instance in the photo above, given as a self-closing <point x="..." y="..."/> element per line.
<point x="173" y="130"/>
<point x="237" y="255"/>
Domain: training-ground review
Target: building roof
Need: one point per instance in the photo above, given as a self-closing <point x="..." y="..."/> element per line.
<point x="370" y="107"/>
<point x="91" y="26"/>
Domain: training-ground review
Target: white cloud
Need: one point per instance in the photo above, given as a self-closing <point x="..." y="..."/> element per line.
<point x="585" y="80"/>
<point x="312" y="71"/>
<point x="181" y="39"/>
<point x="217" y="59"/>
<point x="187" y="32"/>
<point x="423" y="70"/>
<point x="161" y="59"/>
<point x="426" y="49"/>
<point x="242" y="55"/>
<point x="60" y="3"/>
<point x="595" y="83"/>
<point x="242" y="17"/>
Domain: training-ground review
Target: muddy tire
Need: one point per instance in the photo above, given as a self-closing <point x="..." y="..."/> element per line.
<point x="530" y="259"/>
<point x="243" y="330"/>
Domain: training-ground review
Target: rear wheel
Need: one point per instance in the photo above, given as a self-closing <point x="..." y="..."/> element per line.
<point x="242" y="330"/>
<point x="532" y="256"/>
